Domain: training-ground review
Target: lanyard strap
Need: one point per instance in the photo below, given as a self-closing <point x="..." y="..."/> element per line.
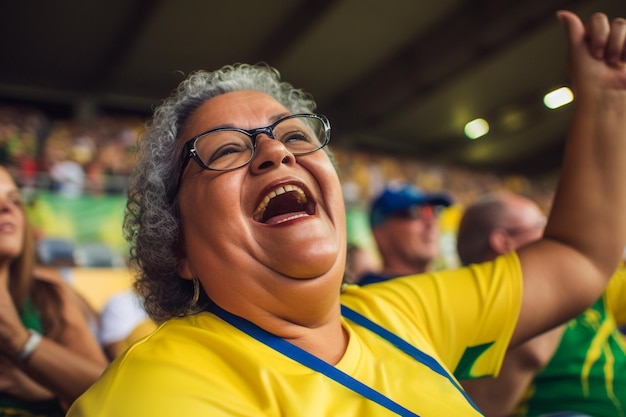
<point x="309" y="360"/>
<point x="305" y="358"/>
<point x="404" y="346"/>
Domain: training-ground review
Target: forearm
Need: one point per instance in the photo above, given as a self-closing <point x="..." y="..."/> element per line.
<point x="61" y="370"/>
<point x="590" y="194"/>
<point x="497" y="397"/>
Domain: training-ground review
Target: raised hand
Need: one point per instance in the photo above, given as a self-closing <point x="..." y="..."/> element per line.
<point x="597" y="58"/>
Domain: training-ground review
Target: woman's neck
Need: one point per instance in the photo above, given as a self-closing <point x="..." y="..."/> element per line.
<point x="312" y="323"/>
<point x="326" y="339"/>
<point x="4" y="275"/>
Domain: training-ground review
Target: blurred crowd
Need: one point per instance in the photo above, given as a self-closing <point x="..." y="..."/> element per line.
<point x="74" y="158"/>
<point x="67" y="156"/>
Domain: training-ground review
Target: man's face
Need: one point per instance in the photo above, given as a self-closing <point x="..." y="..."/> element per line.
<point x="413" y="234"/>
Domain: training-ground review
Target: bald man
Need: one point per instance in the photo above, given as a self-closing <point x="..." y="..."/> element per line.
<point x="578" y="368"/>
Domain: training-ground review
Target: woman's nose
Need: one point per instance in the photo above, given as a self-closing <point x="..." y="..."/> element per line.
<point x="270" y="153"/>
<point x="5" y="203"/>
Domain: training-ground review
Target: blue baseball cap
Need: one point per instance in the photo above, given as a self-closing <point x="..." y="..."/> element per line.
<point x="399" y="197"/>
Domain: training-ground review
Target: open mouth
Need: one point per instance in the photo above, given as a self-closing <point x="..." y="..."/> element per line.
<point x="7" y="227"/>
<point x="284" y="203"/>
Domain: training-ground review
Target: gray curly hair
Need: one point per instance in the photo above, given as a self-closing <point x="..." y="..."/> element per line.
<point x="151" y="220"/>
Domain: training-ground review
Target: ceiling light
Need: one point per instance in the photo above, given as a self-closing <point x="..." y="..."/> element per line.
<point x="476" y="128"/>
<point x="557" y="98"/>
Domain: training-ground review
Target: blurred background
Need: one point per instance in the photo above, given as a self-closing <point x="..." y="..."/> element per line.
<point x="454" y="95"/>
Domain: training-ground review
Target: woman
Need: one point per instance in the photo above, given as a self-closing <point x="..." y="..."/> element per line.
<point x="238" y="226"/>
<point x="48" y="355"/>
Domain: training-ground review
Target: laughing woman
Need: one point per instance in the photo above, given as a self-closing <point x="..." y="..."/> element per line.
<point x="48" y="355"/>
<point x="238" y="229"/>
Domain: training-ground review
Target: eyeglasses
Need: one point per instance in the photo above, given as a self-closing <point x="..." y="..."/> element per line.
<point x="229" y="148"/>
<point x="426" y="212"/>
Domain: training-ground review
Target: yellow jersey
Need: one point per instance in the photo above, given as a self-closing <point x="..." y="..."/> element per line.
<point x="202" y="366"/>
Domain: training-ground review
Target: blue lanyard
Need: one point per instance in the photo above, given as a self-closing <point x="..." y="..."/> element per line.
<point x="305" y="358"/>
<point x="406" y="347"/>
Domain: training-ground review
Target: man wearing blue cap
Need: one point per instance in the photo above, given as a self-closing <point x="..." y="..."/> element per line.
<point x="404" y="224"/>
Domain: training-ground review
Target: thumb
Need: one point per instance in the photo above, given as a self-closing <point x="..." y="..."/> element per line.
<point x="574" y="28"/>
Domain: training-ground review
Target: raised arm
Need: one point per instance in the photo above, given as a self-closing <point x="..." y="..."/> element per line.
<point x="567" y="270"/>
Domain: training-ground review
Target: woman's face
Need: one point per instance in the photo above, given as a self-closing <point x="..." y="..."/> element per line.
<point x="12" y="218"/>
<point x="234" y="240"/>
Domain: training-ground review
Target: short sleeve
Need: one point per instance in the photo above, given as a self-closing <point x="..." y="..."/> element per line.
<point x="465" y="316"/>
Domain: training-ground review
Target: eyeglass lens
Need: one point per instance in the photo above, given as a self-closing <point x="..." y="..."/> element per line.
<point x="232" y="148"/>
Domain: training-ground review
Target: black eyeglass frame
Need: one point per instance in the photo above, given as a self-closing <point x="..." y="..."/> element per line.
<point x="189" y="148"/>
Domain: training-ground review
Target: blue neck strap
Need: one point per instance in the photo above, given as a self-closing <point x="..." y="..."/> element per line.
<point x="305" y="358"/>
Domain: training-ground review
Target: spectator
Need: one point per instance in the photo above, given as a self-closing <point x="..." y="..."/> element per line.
<point x="120" y="315"/>
<point x="404" y="226"/>
<point x="48" y="355"/>
<point x="576" y="368"/>
<point x="69" y="177"/>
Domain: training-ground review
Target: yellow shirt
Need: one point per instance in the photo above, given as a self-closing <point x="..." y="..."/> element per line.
<point x="202" y="366"/>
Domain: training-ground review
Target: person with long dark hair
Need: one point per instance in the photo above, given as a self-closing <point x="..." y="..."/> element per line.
<point x="48" y="355"/>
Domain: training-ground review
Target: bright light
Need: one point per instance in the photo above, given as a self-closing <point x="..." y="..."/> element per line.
<point x="557" y="98"/>
<point x="476" y="128"/>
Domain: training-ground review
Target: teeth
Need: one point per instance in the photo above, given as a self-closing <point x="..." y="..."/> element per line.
<point x="295" y="216"/>
<point x="301" y="197"/>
